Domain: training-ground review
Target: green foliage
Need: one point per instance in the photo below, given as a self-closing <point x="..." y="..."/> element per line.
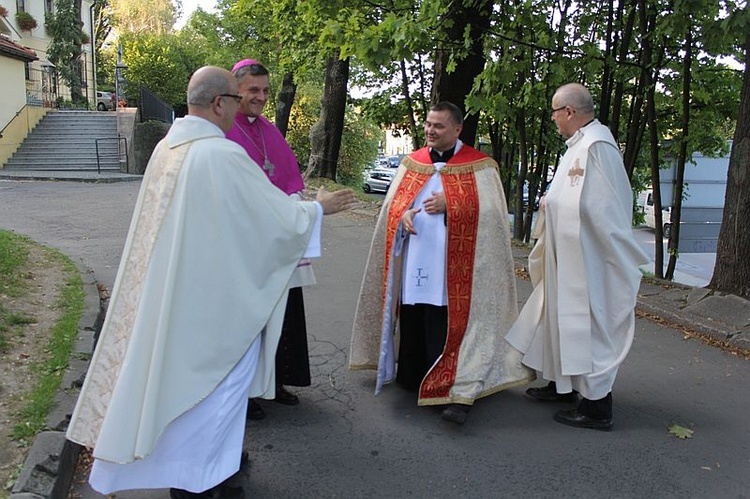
<point x="359" y="147"/>
<point x="304" y="114"/>
<point x="155" y="17"/>
<point x="163" y="63"/>
<point x="25" y="21"/>
<point x="64" y="26"/>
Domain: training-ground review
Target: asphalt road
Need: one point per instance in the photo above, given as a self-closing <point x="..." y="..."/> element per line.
<point x="342" y="441"/>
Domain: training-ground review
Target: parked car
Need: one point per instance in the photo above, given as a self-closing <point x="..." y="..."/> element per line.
<point x="378" y="180"/>
<point x="648" y="213"/>
<point x="105" y="101"/>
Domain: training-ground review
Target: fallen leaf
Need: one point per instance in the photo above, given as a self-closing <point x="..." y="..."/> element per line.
<point x="680" y="431"/>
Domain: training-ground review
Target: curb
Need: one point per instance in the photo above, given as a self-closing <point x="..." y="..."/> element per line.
<point x="51" y="462"/>
<point x="52" y="176"/>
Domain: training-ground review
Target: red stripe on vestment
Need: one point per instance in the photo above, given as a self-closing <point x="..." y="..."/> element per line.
<point x="462" y="200"/>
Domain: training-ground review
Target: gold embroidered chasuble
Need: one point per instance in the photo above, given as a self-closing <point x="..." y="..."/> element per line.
<point x="480" y="283"/>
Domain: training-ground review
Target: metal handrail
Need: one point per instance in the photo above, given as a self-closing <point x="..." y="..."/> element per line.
<point x="18" y="113"/>
<point x="119" y="151"/>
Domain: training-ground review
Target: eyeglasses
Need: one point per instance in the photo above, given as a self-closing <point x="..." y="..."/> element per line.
<point x="237" y="98"/>
<point x="556" y="109"/>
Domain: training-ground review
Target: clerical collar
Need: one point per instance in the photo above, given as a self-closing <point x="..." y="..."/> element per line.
<point x="251" y="119"/>
<point x="444" y="157"/>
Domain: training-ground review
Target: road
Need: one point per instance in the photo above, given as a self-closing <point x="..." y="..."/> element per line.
<point x="342" y="441"/>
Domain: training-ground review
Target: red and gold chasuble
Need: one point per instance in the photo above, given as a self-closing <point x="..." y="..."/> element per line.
<point x="462" y="205"/>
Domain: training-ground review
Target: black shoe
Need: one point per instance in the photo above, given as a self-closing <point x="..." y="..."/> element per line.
<point x="284" y="397"/>
<point x="221" y="491"/>
<point x="578" y="420"/>
<point x="244" y="459"/>
<point x="549" y="394"/>
<point x="254" y="411"/>
<point x="455" y="413"/>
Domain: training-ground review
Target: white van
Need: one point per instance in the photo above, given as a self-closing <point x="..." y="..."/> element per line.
<point x="646" y="201"/>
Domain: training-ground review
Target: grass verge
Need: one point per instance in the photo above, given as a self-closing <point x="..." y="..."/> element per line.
<point x="48" y="369"/>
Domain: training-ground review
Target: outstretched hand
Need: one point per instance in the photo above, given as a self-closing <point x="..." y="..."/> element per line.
<point x="336" y="201"/>
<point x="407" y="220"/>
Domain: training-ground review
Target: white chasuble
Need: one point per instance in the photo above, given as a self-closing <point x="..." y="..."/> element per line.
<point x="203" y="276"/>
<point x="577" y="326"/>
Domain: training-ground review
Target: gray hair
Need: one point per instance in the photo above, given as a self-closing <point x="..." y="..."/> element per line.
<point x="576" y="96"/>
<point x="204" y="88"/>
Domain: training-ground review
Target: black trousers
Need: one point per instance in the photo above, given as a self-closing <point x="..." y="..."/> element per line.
<point x="424" y="329"/>
<point x="292" y="357"/>
<point x="597" y="409"/>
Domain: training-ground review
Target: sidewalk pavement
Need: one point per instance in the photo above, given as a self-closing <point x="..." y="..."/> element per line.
<point x="722" y="320"/>
<point x="105" y="176"/>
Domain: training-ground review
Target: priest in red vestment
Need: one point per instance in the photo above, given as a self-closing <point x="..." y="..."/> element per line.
<point x="439" y="293"/>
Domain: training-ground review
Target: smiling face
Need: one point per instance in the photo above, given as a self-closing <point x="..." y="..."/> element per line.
<point x="254" y="90"/>
<point x="440" y="132"/>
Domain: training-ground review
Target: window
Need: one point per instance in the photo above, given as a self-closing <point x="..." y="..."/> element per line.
<point x="27" y="70"/>
<point x="49" y="6"/>
<point x="20" y="6"/>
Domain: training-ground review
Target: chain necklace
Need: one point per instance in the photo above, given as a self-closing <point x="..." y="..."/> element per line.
<point x="267" y="165"/>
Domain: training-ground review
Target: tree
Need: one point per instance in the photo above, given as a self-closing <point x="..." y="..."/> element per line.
<point x="325" y="135"/>
<point x="64" y="26"/>
<point x="459" y="58"/>
<point x="154" y="17"/>
<point x="162" y="63"/>
<point x="732" y="270"/>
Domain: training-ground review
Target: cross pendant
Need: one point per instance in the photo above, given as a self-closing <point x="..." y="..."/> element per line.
<point x="268" y="166"/>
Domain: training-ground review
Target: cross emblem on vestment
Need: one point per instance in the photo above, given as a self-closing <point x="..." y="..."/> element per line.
<point x="419" y="276"/>
<point x="575" y="174"/>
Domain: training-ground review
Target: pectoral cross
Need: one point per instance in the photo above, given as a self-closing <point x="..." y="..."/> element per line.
<point x="268" y="166"/>
<point x="419" y="276"/>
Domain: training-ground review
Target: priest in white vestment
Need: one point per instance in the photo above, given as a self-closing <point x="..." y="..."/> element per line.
<point x="196" y="310"/>
<point x="578" y="324"/>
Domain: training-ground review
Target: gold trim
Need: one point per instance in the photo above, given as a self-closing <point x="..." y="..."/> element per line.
<point x="475" y="166"/>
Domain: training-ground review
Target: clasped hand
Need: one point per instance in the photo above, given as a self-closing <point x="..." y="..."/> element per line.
<point x="433" y="205"/>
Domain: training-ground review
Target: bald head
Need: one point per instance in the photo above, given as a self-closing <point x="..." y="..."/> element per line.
<point x="576" y="96"/>
<point x="209" y="96"/>
<point x="572" y="108"/>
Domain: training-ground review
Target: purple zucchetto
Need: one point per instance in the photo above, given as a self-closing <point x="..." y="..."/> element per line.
<point x="243" y="63"/>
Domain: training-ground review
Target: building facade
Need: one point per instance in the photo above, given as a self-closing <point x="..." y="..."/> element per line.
<point x="30" y="85"/>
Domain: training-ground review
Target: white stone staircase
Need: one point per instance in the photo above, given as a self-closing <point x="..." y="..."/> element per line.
<point x="67" y="141"/>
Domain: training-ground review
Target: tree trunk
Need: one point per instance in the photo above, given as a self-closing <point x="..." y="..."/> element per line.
<point x="456" y="85"/>
<point x="76" y="93"/>
<point x="732" y="270"/>
<point x="325" y="135"/>
<point x="415" y="135"/>
<point x="518" y="212"/>
<point x="285" y="102"/>
<point x="675" y="212"/>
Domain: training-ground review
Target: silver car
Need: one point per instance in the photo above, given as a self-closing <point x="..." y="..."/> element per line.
<point x="378" y="180"/>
